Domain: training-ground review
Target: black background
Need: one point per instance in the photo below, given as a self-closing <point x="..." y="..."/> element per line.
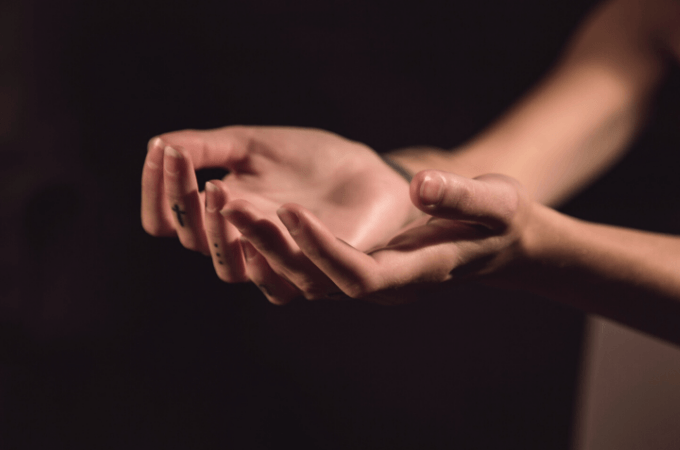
<point x="110" y="338"/>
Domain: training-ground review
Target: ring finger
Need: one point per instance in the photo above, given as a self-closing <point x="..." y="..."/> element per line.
<point x="222" y="236"/>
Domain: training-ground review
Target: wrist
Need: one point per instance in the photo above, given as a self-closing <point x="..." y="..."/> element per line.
<point x="415" y="159"/>
<point x="524" y="262"/>
<point x="547" y="245"/>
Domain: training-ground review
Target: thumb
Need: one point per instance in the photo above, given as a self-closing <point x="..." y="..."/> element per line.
<point x="488" y="200"/>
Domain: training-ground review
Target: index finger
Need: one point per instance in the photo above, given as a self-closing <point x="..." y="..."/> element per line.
<point x="156" y="214"/>
<point x="220" y="147"/>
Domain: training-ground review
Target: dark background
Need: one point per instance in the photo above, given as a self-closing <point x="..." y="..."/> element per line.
<point x="110" y="338"/>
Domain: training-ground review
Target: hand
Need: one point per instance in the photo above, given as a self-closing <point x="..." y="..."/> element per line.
<point x="335" y="178"/>
<point x="475" y="228"/>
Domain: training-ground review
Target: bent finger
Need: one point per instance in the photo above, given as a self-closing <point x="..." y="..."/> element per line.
<point x="277" y="290"/>
<point x="156" y="214"/>
<point x="280" y="251"/>
<point x="181" y="192"/>
<point x="354" y="272"/>
<point x="222" y="236"/>
<point x="221" y="147"/>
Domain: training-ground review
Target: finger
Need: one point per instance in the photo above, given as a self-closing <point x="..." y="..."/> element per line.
<point x="221" y="147"/>
<point x="354" y="272"/>
<point x="222" y="236"/>
<point x="489" y="200"/>
<point x="280" y="251"/>
<point x="156" y="214"/>
<point x="181" y="192"/>
<point x="277" y="290"/>
<point x="419" y="255"/>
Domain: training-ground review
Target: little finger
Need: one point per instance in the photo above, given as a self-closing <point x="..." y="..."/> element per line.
<point x="277" y="290"/>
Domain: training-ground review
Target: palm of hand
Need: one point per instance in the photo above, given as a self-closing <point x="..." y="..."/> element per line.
<point x="344" y="183"/>
<point x="360" y="198"/>
<point x="475" y="230"/>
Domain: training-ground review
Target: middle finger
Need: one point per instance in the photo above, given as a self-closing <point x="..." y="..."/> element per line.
<point x="181" y="192"/>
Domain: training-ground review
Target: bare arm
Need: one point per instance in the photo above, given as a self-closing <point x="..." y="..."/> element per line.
<point x="579" y="120"/>
<point x="626" y="275"/>
<point x="564" y="133"/>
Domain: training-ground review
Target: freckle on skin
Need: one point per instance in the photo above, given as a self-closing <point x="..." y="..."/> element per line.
<point x="220" y="262"/>
<point x="215" y="245"/>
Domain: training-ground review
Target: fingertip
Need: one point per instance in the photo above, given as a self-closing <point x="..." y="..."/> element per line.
<point x="289" y="218"/>
<point x="154" y="155"/>
<point x="278" y="301"/>
<point x="155" y="143"/>
<point x="214" y="197"/>
<point x="432" y="187"/>
<point x="249" y="251"/>
<point x="219" y="184"/>
<point x="416" y="185"/>
<point x="237" y="216"/>
<point x="211" y="187"/>
<point x="172" y="161"/>
<point x="170" y="151"/>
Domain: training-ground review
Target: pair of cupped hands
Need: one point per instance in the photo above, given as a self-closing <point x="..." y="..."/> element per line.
<point x="307" y="213"/>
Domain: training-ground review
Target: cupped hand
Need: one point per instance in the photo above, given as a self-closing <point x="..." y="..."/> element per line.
<point x="474" y="228"/>
<point x="343" y="183"/>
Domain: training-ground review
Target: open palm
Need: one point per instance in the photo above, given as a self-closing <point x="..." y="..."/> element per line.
<point x="344" y="183"/>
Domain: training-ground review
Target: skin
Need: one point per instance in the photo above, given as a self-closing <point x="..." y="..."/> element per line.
<point x="496" y="228"/>
<point x="334" y="177"/>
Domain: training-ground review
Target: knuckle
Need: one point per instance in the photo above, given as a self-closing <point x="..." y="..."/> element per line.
<point x="464" y="194"/>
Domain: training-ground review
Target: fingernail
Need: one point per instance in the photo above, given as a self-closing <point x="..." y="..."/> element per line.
<point x="235" y="217"/>
<point x="210" y="190"/>
<point x="156" y="156"/>
<point x="172" y="160"/>
<point x="158" y="142"/>
<point x="431" y="190"/>
<point x="248" y="250"/>
<point x="289" y="219"/>
<point x="169" y="151"/>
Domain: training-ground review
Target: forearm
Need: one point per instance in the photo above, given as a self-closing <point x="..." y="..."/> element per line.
<point x="578" y="121"/>
<point x="626" y="275"/>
